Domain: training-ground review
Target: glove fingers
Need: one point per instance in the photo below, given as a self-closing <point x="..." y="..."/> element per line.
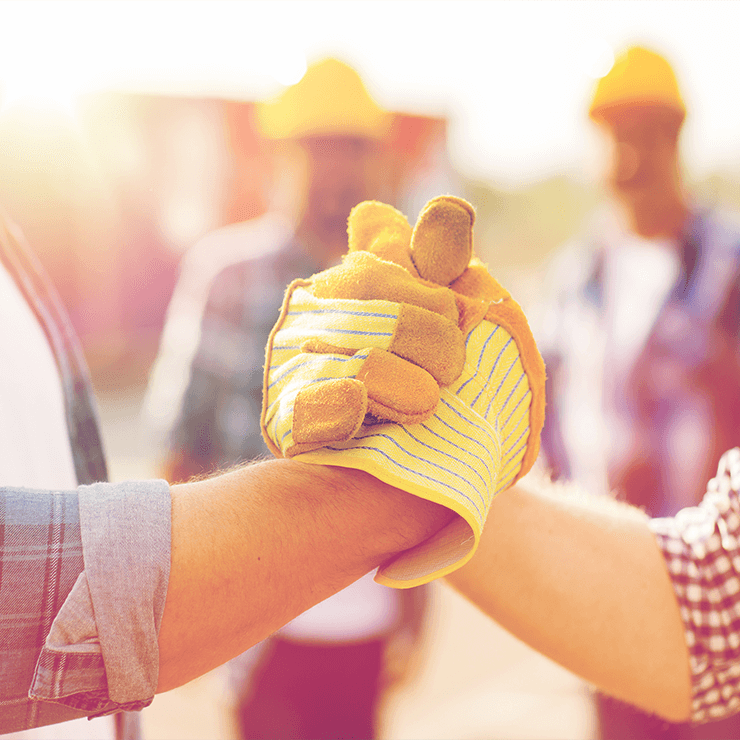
<point x="324" y="326"/>
<point x="325" y="412"/>
<point x="363" y="276"/>
<point x="423" y="338"/>
<point x="397" y="390"/>
<point x="430" y="341"/>
<point x="307" y="384"/>
<point x="442" y="240"/>
<point x="477" y="283"/>
<point x="381" y="229"/>
<point x="320" y="399"/>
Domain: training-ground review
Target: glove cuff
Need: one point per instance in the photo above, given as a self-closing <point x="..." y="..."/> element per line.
<point x="452" y="459"/>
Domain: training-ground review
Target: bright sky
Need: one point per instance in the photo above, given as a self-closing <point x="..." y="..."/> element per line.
<point x="514" y="77"/>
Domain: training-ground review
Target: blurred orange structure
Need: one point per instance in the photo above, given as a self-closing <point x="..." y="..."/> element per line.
<point x="111" y="200"/>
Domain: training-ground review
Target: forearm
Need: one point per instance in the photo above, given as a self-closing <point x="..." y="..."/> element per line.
<point x="584" y="582"/>
<point x="253" y="548"/>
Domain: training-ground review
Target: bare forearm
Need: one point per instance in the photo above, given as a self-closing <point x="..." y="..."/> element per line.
<point x="584" y="583"/>
<point x="253" y="548"/>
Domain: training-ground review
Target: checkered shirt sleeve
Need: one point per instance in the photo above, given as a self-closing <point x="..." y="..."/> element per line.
<point x="78" y="633"/>
<point x="218" y="422"/>
<point x="701" y="546"/>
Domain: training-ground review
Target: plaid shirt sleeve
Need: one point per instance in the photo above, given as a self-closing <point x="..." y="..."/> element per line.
<point x="701" y="546"/>
<point x="218" y="422"/>
<point x="84" y="579"/>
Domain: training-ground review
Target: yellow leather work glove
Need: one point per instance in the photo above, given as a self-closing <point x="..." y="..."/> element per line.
<point x="409" y="361"/>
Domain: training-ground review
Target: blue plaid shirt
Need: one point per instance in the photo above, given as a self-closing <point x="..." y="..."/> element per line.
<point x="78" y="633"/>
<point x="682" y="389"/>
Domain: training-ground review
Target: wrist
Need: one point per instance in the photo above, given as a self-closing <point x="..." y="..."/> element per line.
<point x="393" y="519"/>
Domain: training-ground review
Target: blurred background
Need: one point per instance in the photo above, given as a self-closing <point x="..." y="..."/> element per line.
<point x="127" y="129"/>
<point x="127" y="132"/>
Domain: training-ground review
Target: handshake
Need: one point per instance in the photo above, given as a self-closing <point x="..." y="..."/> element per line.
<point x="410" y="362"/>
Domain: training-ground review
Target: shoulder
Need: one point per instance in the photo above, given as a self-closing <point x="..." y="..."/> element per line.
<point x="576" y="263"/>
<point x="571" y="267"/>
<point x="250" y="272"/>
<point x="254" y="239"/>
<point x="256" y="274"/>
<point x="568" y="276"/>
<point x="216" y="251"/>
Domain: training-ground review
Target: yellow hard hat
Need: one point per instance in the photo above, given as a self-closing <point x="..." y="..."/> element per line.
<point x="639" y="77"/>
<point x="330" y="100"/>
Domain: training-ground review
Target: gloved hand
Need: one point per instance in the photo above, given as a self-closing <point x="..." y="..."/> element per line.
<point x="409" y="361"/>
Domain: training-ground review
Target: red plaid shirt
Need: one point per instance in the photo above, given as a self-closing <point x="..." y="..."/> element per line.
<point x="701" y="546"/>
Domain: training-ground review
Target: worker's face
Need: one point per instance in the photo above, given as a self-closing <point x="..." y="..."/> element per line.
<point x="643" y="171"/>
<point x="341" y="172"/>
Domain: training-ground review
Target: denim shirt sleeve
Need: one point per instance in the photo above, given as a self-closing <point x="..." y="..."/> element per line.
<point x="101" y="654"/>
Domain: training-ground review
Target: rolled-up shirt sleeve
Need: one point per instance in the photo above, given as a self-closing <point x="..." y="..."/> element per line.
<point x="101" y="654"/>
<point x="701" y="547"/>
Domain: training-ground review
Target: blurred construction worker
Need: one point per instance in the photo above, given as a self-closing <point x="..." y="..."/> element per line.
<point x="641" y="338"/>
<point x="322" y="675"/>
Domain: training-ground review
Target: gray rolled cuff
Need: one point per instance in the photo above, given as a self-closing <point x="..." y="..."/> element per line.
<point x="126" y="536"/>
